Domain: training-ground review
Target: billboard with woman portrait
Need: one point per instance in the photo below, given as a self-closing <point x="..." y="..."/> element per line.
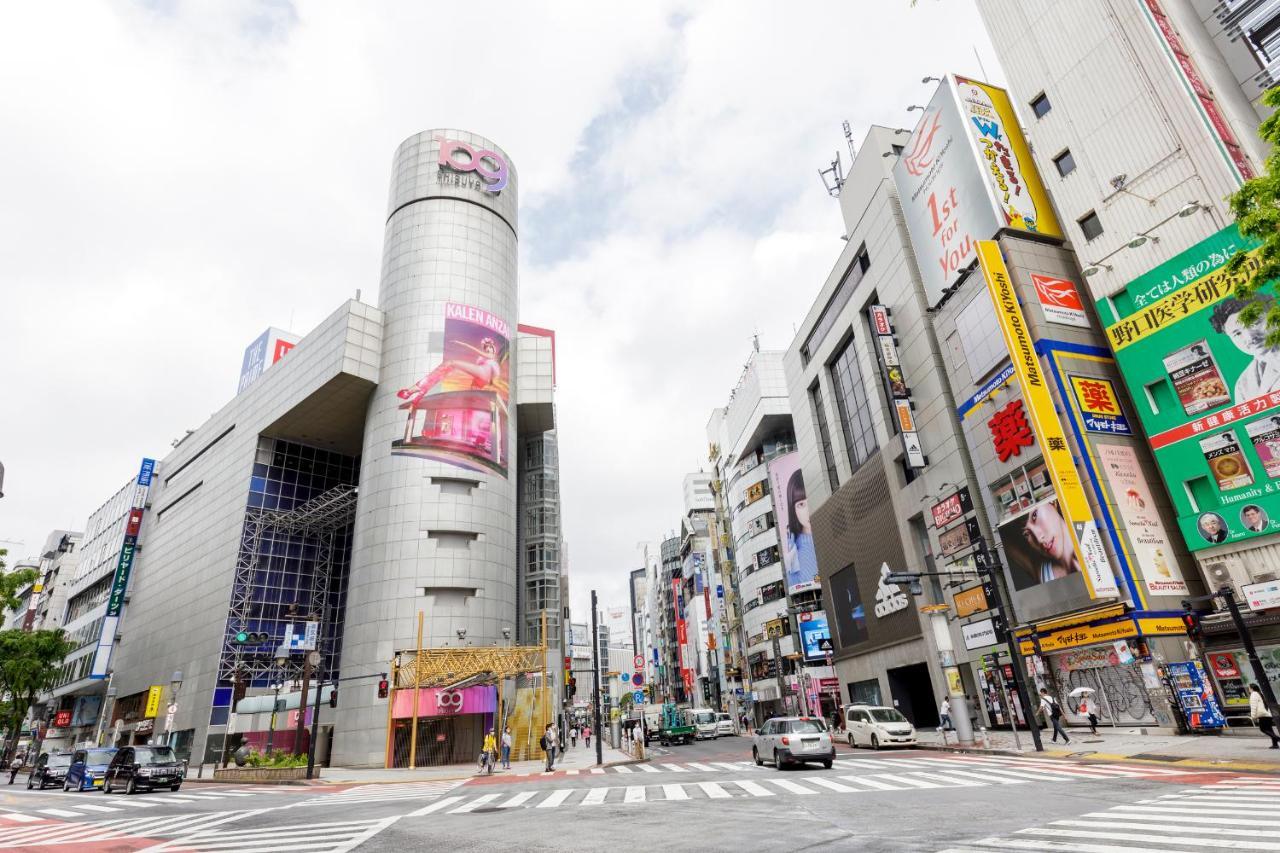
<point x="1038" y="545"/>
<point x="795" y="529"/>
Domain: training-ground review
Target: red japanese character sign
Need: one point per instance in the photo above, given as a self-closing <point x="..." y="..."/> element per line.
<point x="1010" y="431"/>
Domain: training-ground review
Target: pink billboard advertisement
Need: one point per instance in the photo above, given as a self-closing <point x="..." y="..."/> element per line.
<point x="459" y="412"/>
<point x="441" y="702"/>
<point x="795" y="531"/>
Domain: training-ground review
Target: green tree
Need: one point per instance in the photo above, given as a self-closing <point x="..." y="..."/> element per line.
<point x="1256" y="207"/>
<point x="13" y="583"/>
<point x="29" y="662"/>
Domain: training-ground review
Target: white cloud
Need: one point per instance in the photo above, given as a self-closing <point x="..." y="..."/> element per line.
<point x="178" y="176"/>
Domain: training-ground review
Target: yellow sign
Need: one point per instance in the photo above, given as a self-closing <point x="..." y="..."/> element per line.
<point x="1154" y="627"/>
<point x="154" y="694"/>
<point x="1085" y="635"/>
<point x="970" y="601"/>
<point x="1045" y="423"/>
<point x="773" y="628"/>
<point x="1096" y="396"/>
<point x="954" y="684"/>
<point x="755" y="492"/>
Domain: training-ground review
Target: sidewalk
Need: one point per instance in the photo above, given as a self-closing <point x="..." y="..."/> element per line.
<point x="1234" y="749"/>
<point x="575" y="758"/>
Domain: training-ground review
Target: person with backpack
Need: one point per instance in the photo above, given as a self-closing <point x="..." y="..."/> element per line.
<point x="1053" y="713"/>
<point x="1261" y="715"/>
<point x="547" y="742"/>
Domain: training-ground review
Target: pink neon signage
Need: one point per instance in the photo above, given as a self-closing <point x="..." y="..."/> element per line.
<point x="489" y="165"/>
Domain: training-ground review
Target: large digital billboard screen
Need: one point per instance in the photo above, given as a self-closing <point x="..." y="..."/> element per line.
<point x="815" y="636"/>
<point x="459" y="411"/>
<point x="846" y="603"/>
<point x="1207" y="389"/>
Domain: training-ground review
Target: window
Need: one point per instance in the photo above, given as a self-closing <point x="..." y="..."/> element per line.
<point x="824" y="435"/>
<point x="831" y="312"/>
<point x="1065" y="162"/>
<point x="853" y="405"/>
<point x="1040" y="105"/>
<point x="1091" y="225"/>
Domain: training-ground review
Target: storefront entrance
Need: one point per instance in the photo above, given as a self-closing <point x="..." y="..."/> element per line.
<point x="1119" y="689"/>
<point x="441" y="740"/>
<point x="912" y="693"/>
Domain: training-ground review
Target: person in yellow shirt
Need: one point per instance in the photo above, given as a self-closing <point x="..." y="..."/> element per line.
<point x="488" y="752"/>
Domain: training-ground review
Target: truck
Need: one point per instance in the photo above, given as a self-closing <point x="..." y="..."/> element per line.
<point x="676" y="725"/>
<point x="704" y="722"/>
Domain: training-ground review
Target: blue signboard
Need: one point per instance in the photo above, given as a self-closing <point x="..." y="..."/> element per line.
<point x="815" y="637"/>
<point x="638" y="696"/>
<point x="626" y="676"/>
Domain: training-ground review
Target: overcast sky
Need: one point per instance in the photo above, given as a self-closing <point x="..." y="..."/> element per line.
<point x="178" y="176"/>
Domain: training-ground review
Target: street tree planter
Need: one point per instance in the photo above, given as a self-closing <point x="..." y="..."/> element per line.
<point x="268" y="775"/>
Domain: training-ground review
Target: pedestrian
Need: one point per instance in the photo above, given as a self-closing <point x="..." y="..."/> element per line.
<point x="488" y="752"/>
<point x="1086" y="710"/>
<point x="573" y="735"/>
<point x="835" y="721"/>
<point x="554" y="738"/>
<point x="506" y="748"/>
<point x="1258" y="712"/>
<point x="547" y="746"/>
<point x="14" y="766"/>
<point x="586" y="736"/>
<point x="944" y="715"/>
<point x="1053" y="713"/>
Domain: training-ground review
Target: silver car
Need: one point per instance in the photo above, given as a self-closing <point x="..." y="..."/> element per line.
<point x="793" y="740"/>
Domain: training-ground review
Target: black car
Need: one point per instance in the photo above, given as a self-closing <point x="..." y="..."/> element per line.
<point x="143" y="768"/>
<point x="50" y="769"/>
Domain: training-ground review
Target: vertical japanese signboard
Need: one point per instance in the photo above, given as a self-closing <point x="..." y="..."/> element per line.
<point x="124" y="567"/>
<point x="1060" y="532"/>
<point x="1206" y="387"/>
<point x="895" y="384"/>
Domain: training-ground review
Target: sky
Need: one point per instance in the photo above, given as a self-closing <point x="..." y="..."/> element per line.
<point x="178" y="176"/>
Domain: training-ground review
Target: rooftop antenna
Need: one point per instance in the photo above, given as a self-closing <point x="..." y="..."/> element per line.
<point x="833" y="177"/>
<point x="848" y="138"/>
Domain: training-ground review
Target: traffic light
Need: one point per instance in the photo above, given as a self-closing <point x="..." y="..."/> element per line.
<point x="250" y="638"/>
<point x="573" y="686"/>
<point x="1191" y="621"/>
<point x="333" y="698"/>
<point x="383" y="687"/>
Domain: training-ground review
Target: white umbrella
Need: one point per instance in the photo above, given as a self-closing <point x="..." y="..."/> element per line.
<point x="1081" y="690"/>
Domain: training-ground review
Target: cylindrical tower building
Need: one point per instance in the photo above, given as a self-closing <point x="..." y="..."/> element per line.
<point x="436" y="525"/>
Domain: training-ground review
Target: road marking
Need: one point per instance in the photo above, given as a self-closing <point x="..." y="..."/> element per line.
<point x="1252" y="805"/>
<point x="474" y="804"/>
<point x="827" y="783"/>
<point x="59" y="812"/>
<point x="557" y="797"/>
<point x="675" y="768"/>
<point x="696" y="766"/>
<point x="595" y="796"/>
<point x="907" y="780"/>
<point x="571" y="772"/>
<point x="951" y="780"/>
<point x="435" y="807"/>
<point x="647" y="769"/>
<point x="714" y="791"/>
<point x="1156" y="827"/>
<point x="634" y="794"/>
<point x="753" y="789"/>
<point x="96" y="808"/>
<point x="1130" y="836"/>
<point x="1032" y="844"/>
<point x="20" y="818"/>
<point x="622" y="768"/>
<point x="597" y="770"/>
<point x="793" y="787"/>
<point x="725" y="765"/>
<point x="674" y="792"/>
<point x="518" y="799"/>
<point x="871" y="783"/>
<point x="1142" y="813"/>
<point x="984" y="778"/>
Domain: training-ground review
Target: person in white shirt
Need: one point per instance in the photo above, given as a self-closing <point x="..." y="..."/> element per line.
<point x="1053" y="713"/>
<point x="944" y="715"/>
<point x="1261" y="715"/>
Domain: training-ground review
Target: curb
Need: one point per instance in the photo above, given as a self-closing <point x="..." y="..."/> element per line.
<point x="454" y="778"/>
<point x="1225" y="765"/>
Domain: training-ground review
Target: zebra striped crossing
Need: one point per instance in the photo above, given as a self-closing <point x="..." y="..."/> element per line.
<point x="384" y="793"/>
<point x="49" y="833"/>
<point x="87" y="806"/>
<point x="1233" y="814"/>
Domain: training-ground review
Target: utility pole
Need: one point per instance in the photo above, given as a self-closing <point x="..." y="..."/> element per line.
<point x="988" y="563"/>
<point x="315" y="724"/>
<point x="309" y="660"/>
<point x="595" y="682"/>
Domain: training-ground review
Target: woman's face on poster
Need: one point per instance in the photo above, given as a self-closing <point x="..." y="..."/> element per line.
<point x="1046" y="532"/>
<point x="802" y="513"/>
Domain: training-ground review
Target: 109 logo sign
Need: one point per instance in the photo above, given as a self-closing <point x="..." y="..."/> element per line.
<point x="461" y="157"/>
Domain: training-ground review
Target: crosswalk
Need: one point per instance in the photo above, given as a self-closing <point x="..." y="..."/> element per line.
<point x="1234" y="814"/>
<point x="38" y="832"/>
<point x="86" y="805"/>
<point x="654" y="767"/>
<point x="384" y="793"/>
<point x="876" y="776"/>
<point x="312" y="837"/>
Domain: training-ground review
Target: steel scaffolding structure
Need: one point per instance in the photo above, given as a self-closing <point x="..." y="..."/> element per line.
<point x="321" y="521"/>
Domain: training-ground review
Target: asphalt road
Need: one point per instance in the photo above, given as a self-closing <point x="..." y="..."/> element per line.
<point x="702" y="797"/>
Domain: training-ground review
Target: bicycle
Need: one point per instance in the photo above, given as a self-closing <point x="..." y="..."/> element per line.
<point x="486" y="763"/>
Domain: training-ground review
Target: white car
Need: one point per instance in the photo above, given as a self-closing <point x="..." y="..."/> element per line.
<point x="724" y="725"/>
<point x="793" y="740"/>
<point x="876" y="726"/>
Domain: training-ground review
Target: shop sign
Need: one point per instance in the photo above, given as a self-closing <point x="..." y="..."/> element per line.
<point x="949" y="509"/>
<point x="979" y="634"/>
<point x="1262" y="596"/>
<point x="1205" y="388"/>
<point x="1157" y="626"/>
<point x="1060" y="300"/>
<point x="895" y="384"/>
<point x="489" y="165"/>
<point x="970" y="601"/>
<point x="1084" y="635"/>
<point x="889" y="597"/>
<point x="154" y="694"/>
<point x="62" y="719"/>
<point x="1155" y="554"/>
<point x="144" y="727"/>
<point x="1010" y="432"/>
<point x="1099" y="406"/>
<point x="1072" y="502"/>
<point x="755" y="492"/>
<point x="959" y="537"/>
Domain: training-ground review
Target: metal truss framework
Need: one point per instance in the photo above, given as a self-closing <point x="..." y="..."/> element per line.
<point x="320" y="521"/>
<point x="463" y="667"/>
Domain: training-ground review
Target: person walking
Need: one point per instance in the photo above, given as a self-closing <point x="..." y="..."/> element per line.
<point x="555" y="745"/>
<point x="506" y="748"/>
<point x="14" y="766"/>
<point x="944" y="715"/>
<point x="586" y="736"/>
<point x="1053" y="713"/>
<point x="1258" y="712"/>
<point x="1086" y="710"/>
<point x="573" y="735"/>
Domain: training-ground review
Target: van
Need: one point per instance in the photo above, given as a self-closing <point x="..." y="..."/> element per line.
<point x="704" y="720"/>
<point x="725" y="726"/>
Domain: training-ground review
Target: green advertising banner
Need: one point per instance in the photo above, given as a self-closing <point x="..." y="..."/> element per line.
<point x="1206" y="389"/>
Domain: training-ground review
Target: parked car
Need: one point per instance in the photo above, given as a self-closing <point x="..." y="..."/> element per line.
<point x="793" y="740"/>
<point x="724" y="725"/>
<point x="87" y="768"/>
<point x="50" y="769"/>
<point x="876" y="726"/>
<point x="143" y="768"/>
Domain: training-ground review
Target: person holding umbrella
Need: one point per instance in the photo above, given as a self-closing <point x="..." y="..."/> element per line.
<point x="1087" y="708"/>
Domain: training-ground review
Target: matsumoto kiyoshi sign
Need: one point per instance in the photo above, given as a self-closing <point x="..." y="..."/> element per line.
<point x="1206" y="388"/>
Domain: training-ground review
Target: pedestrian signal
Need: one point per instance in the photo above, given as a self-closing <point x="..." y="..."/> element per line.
<point x="383" y="687"/>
